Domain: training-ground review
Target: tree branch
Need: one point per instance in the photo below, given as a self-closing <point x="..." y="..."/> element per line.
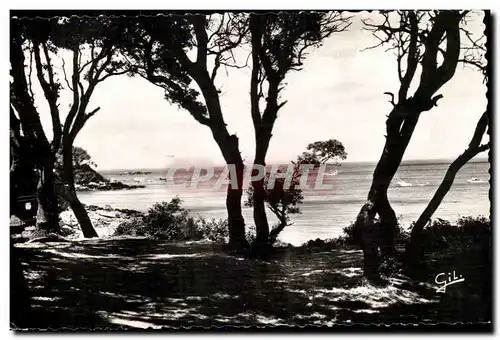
<point x="481" y="127"/>
<point x="392" y="98"/>
<point x="65" y="75"/>
<point x="80" y="122"/>
<point x="51" y="93"/>
<point x="412" y="58"/>
<point x="75" y="78"/>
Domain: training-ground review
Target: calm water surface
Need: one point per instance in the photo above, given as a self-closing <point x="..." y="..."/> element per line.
<point x="324" y="212"/>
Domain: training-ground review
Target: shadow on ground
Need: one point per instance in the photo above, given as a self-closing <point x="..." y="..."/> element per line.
<point x="134" y="283"/>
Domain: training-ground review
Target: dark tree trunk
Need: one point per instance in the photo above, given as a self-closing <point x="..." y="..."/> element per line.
<point x="70" y="192"/>
<point x="229" y="146"/>
<point x="81" y="215"/>
<point x="236" y="222"/>
<point x="273" y="235"/>
<point x="388" y="224"/>
<point x="47" y="217"/>
<point x="263" y="135"/>
<point x="15" y="155"/>
<point x="400" y="126"/>
<point x="373" y="234"/>
<point x="262" y="242"/>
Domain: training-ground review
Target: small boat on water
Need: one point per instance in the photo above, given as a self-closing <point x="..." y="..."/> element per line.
<point x="474" y="180"/>
<point x="401" y="183"/>
<point x="335" y="173"/>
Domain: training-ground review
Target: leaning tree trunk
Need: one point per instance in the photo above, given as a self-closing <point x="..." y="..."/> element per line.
<point x="381" y="234"/>
<point x="81" y="214"/>
<point x="400" y="126"/>
<point x="70" y="193"/>
<point x="384" y="236"/>
<point x="415" y="250"/>
<point x="273" y="235"/>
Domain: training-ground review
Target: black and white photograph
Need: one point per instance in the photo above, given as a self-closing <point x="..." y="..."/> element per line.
<point x="231" y="170"/>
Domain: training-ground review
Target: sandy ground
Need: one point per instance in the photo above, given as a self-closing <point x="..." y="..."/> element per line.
<point x="126" y="282"/>
<point x="138" y="283"/>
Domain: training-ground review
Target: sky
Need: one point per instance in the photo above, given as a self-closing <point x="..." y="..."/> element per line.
<point x="338" y="94"/>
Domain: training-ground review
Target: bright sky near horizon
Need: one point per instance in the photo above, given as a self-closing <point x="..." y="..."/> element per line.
<point x="338" y="94"/>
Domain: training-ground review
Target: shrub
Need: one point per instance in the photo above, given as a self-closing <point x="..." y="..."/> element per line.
<point x="170" y="221"/>
<point x="352" y="236"/>
<point x="167" y="220"/>
<point x="250" y="234"/>
<point x="467" y="232"/>
<point x="474" y="229"/>
<point x="190" y="230"/>
<point x="213" y="230"/>
<point x="132" y="227"/>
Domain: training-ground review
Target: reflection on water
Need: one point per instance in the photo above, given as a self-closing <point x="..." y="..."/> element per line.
<point x="324" y="212"/>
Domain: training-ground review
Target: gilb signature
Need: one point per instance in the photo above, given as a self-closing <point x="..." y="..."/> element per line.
<point x="446" y="281"/>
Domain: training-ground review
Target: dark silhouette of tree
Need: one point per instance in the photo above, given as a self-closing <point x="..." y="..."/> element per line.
<point x="23" y="176"/>
<point x="286" y="195"/>
<point x="83" y="167"/>
<point x="160" y="51"/>
<point x="415" y="248"/>
<point x="23" y="102"/>
<point x="431" y="41"/>
<point x="474" y="56"/>
<point x="93" y="46"/>
<point x="279" y="44"/>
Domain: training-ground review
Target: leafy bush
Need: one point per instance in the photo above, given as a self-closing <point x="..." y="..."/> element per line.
<point x="324" y="245"/>
<point x="170" y="221"/>
<point x="469" y="231"/>
<point x="133" y="227"/>
<point x="475" y="228"/>
<point x="352" y="236"/>
<point x="190" y="230"/>
<point x="167" y="220"/>
<point x="250" y="234"/>
<point x="213" y="230"/>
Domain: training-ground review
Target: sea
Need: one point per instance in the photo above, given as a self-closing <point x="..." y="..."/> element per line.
<point x="324" y="212"/>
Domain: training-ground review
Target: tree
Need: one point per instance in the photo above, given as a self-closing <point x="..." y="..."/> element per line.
<point x="93" y="45"/>
<point x="81" y="157"/>
<point x="279" y="45"/>
<point x="22" y="102"/>
<point x="284" y="199"/>
<point x="160" y="49"/>
<point x="431" y="41"/>
<point x="474" y="55"/>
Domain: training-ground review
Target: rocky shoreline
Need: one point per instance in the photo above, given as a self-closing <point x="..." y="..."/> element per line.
<point x="106" y="186"/>
<point x="104" y="219"/>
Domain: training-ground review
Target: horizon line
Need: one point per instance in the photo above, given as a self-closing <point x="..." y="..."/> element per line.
<point x="477" y="159"/>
